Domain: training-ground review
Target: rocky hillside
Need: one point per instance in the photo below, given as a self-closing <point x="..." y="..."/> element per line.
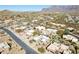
<point x="62" y="8"/>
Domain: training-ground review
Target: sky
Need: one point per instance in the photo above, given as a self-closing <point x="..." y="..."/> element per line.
<point x="23" y="7"/>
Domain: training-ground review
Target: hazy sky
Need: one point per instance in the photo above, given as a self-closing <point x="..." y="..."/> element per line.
<point x="23" y="7"/>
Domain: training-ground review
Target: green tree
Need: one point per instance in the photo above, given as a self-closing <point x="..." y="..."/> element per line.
<point x="66" y="31"/>
<point x="60" y="33"/>
<point x="41" y="49"/>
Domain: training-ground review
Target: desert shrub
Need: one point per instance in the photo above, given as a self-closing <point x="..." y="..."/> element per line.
<point x="55" y="38"/>
<point x="21" y="49"/>
<point x="66" y="31"/>
<point x="18" y="15"/>
<point x="42" y="50"/>
<point x="31" y="41"/>
<point x="60" y="33"/>
<point x="19" y="30"/>
<point x="9" y="45"/>
<point x="36" y="33"/>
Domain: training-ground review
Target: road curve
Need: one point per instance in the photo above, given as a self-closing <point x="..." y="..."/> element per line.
<point x="28" y="50"/>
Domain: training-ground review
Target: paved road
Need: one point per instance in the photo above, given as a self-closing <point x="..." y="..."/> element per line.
<point x="27" y="49"/>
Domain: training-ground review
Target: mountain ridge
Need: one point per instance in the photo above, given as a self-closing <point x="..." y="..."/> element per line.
<point x="62" y="8"/>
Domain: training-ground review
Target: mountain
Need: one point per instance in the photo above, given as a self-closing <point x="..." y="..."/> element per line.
<point x="62" y="8"/>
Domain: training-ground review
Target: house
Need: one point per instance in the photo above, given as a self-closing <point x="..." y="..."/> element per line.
<point x="19" y="29"/>
<point x="42" y="38"/>
<point x="70" y="29"/>
<point x="53" y="31"/>
<point x="58" y="48"/>
<point x="53" y="47"/>
<point x="61" y="25"/>
<point x="29" y="32"/>
<point x="34" y="20"/>
<point x="40" y="28"/>
<point x="70" y="37"/>
<point x="49" y="31"/>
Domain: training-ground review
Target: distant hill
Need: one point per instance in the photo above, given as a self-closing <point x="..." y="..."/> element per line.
<point x="7" y="12"/>
<point x="62" y="8"/>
